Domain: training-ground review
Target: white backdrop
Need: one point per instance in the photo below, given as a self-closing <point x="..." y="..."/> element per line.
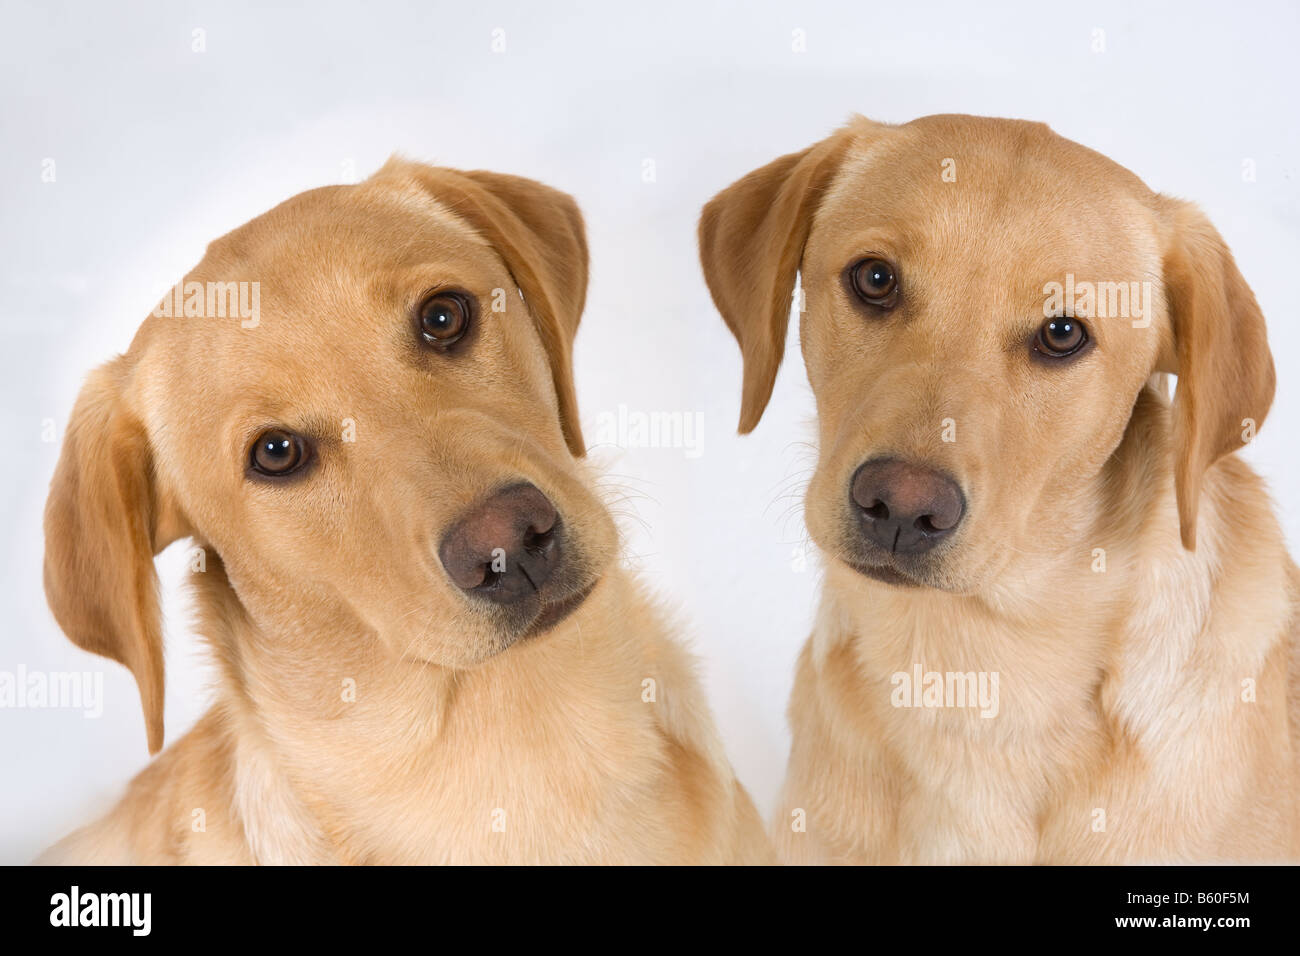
<point x="158" y="147"/>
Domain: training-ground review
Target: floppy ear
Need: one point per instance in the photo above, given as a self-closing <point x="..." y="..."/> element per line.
<point x="539" y="233"/>
<point x="752" y="236"/>
<point x="101" y="535"/>
<point x="1219" y="352"/>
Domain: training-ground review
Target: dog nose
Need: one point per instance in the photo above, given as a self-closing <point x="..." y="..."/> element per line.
<point x="905" y="508"/>
<point x="504" y="548"/>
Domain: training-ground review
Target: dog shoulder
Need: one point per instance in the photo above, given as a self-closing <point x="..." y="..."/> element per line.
<point x="178" y="810"/>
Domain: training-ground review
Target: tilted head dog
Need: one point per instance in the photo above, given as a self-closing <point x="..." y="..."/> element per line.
<point x="428" y="651"/>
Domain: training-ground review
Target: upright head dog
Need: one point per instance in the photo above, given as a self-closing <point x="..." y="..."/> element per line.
<point x="403" y="548"/>
<point x="988" y="316"/>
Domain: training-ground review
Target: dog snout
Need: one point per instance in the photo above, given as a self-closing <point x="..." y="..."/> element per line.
<point x="505" y="548"/>
<point x="905" y="508"/>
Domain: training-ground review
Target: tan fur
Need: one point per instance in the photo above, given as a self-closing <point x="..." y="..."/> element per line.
<point x="1125" y="732"/>
<point x="454" y="749"/>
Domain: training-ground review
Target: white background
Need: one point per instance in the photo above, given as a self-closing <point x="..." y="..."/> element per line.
<point x="159" y="149"/>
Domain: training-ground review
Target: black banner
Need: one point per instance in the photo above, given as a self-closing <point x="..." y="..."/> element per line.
<point x="920" y="905"/>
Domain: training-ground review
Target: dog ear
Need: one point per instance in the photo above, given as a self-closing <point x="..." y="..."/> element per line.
<point x="752" y="236"/>
<point x="1219" y="350"/>
<point x="539" y="233"/>
<point x="102" y="524"/>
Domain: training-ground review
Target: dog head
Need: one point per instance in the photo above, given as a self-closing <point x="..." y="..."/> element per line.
<point x="982" y="303"/>
<point x="363" y="402"/>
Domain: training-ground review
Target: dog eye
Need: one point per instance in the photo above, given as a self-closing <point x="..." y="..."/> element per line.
<point x="874" y="281"/>
<point x="278" y="453"/>
<point x="444" y="318"/>
<point x="1060" y="337"/>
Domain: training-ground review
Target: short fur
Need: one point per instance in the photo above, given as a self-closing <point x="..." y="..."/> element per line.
<point x="366" y="710"/>
<point x="1118" y="567"/>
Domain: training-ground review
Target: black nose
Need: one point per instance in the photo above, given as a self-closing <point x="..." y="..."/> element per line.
<point x="905" y="508"/>
<point x="504" y="548"/>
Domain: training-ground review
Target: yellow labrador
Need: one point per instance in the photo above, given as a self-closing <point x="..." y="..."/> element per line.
<point x="361" y="406"/>
<point x="1058" y="622"/>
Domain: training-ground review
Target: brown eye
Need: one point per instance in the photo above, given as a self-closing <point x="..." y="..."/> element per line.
<point x="874" y="282"/>
<point x="1061" y="337"/>
<point x="444" y="318"/>
<point x="277" y="453"/>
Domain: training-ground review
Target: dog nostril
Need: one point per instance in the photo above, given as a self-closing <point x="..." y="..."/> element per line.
<point x="536" y="541"/>
<point x="877" y="510"/>
<point x="926" y="524"/>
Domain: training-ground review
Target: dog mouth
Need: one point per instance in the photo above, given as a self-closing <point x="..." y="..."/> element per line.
<point x="885" y="574"/>
<point x="554" y="612"/>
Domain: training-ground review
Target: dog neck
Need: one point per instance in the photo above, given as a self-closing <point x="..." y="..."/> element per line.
<point x="324" y="751"/>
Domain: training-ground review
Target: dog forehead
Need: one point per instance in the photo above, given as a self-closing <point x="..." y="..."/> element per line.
<point x="333" y="262"/>
<point x="946" y="180"/>
<point x="313" y="296"/>
<point x="387" y="221"/>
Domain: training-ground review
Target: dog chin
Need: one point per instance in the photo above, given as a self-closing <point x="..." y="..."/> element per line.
<point x="498" y="640"/>
<point x="886" y="574"/>
<point x="906" y="579"/>
<point x="553" y="613"/>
